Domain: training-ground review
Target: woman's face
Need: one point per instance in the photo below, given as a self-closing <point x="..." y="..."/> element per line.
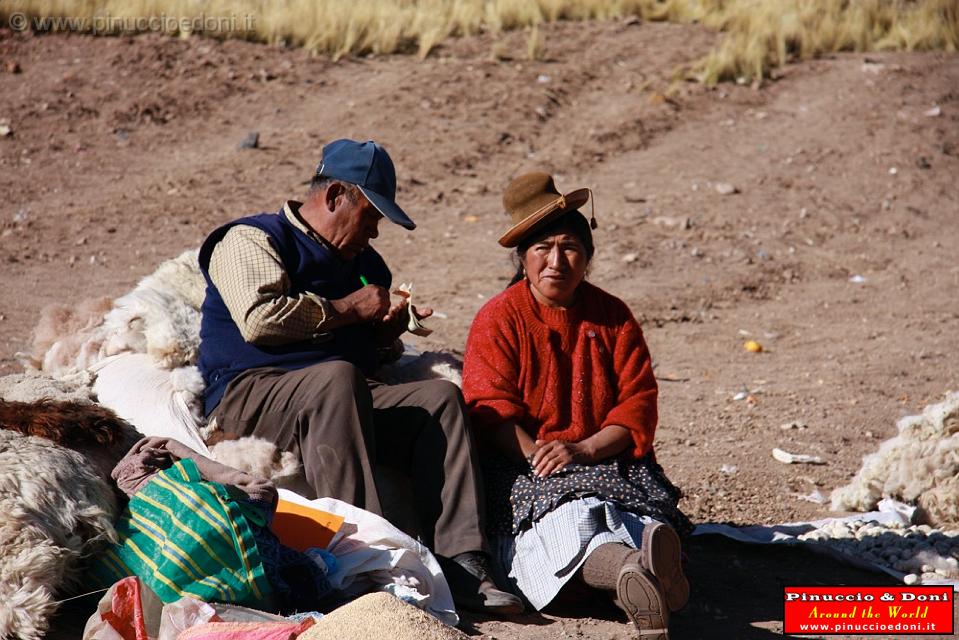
<point x="555" y="265"/>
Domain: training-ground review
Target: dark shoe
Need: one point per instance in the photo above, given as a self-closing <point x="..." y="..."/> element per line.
<point x="661" y="555"/>
<point x="472" y="585"/>
<point x="639" y="594"/>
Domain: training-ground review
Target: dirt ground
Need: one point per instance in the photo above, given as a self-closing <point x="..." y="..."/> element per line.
<point x="837" y="251"/>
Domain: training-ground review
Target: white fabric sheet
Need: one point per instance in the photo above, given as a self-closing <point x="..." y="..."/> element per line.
<point x="373" y="554"/>
<point x="152" y="399"/>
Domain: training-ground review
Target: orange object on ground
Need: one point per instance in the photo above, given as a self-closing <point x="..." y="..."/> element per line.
<point x="303" y="527"/>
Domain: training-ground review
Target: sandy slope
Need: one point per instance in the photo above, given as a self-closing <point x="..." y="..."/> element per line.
<point x="124" y="152"/>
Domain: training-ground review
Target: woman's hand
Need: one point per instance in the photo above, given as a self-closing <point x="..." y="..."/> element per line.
<point x="552" y="456"/>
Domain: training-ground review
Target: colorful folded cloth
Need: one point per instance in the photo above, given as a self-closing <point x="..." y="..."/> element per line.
<point x="185" y="536"/>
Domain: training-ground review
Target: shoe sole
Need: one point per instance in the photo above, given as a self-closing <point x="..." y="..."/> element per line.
<point x="663" y="556"/>
<point x="638" y="594"/>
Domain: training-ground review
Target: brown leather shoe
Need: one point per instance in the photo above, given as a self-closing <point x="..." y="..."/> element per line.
<point x="661" y="555"/>
<point x="639" y="594"/>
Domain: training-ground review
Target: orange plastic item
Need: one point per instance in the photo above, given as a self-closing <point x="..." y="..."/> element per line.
<point x="304" y="527"/>
<point x="126" y="612"/>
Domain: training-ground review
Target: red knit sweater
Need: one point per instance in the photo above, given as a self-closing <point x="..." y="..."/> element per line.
<point x="561" y="374"/>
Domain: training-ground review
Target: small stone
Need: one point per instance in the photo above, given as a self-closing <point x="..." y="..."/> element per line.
<point x="795" y="424"/>
<point x="630" y="257"/>
<point x="5" y="130"/>
<point x="911" y="579"/>
<point x="725" y="189"/>
<point x="799" y="458"/>
<point x="935" y="112"/>
<point x="251" y="141"/>
<point x="12" y="66"/>
<point x="893" y="171"/>
<point x="682" y="222"/>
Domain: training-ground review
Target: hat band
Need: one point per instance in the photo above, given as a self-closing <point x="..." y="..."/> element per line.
<point x="560" y="203"/>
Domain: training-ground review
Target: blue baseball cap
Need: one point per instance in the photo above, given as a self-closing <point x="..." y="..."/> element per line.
<point x="368" y="166"/>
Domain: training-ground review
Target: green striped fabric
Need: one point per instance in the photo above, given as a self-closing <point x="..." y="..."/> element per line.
<point x="184" y="536"/>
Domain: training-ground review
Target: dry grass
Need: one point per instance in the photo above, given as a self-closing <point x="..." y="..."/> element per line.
<point x="760" y="34"/>
<point x="764" y="35"/>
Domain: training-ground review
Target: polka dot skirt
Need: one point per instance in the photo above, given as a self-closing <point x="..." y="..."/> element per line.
<point x="516" y="498"/>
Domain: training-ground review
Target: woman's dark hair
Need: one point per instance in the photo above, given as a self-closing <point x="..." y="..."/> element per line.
<point x="572" y="222"/>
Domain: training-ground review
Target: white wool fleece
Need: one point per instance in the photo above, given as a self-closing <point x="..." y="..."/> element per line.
<point x="919" y="465"/>
<point x="54" y="509"/>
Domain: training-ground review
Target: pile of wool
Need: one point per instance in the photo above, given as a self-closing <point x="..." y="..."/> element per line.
<point x="31" y="387"/>
<point x="922" y="553"/>
<point x="159" y="317"/>
<point x="919" y="466"/>
<point x="149" y="337"/>
<point x="429" y="365"/>
<point x="55" y="509"/>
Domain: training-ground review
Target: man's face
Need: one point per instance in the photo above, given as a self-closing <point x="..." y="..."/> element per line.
<point x="357" y="223"/>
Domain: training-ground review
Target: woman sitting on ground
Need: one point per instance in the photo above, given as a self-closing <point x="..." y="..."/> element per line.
<point x="560" y="386"/>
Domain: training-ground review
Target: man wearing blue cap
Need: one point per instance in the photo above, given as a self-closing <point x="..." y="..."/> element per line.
<point x="296" y="320"/>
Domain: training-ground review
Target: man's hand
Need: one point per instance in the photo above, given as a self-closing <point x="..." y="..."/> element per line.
<point x="551" y="457"/>
<point x="397" y="321"/>
<point x="393" y="324"/>
<point x="369" y="304"/>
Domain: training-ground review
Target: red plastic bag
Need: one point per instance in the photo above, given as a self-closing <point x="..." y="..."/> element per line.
<point x="125" y="612"/>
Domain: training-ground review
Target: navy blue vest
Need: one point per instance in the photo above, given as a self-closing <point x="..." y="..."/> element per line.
<point x="311" y="266"/>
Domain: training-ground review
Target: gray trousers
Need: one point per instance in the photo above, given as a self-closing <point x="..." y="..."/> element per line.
<point x="340" y="424"/>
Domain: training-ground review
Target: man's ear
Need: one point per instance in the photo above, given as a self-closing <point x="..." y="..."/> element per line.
<point x="333" y="191"/>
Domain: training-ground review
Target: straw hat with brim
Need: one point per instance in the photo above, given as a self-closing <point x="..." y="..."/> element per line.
<point x="532" y="201"/>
